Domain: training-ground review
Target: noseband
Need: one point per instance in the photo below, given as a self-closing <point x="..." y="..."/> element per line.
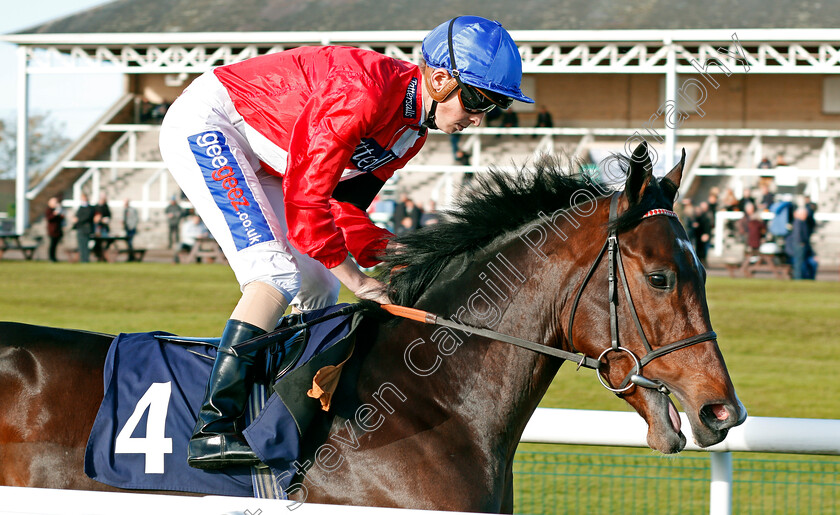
<point x="615" y="269"/>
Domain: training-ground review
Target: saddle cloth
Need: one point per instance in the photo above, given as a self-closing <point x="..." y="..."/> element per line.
<point x="153" y="391"/>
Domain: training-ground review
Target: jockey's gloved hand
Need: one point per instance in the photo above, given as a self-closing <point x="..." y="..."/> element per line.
<point x="359" y="283"/>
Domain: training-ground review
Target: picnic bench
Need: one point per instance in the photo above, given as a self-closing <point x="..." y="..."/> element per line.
<point x="11" y="241"/>
<point x="205" y="250"/>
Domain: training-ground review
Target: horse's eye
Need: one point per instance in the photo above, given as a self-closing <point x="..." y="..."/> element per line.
<point x="658" y="280"/>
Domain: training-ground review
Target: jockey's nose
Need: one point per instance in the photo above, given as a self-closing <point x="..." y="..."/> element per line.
<point x="476" y="118"/>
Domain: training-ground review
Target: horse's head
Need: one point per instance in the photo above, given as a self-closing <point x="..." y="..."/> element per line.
<point x="661" y="338"/>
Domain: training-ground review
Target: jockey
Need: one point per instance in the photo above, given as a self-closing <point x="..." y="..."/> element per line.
<point x="281" y="155"/>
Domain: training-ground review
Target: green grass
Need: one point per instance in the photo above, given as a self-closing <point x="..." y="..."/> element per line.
<point x="778" y="339"/>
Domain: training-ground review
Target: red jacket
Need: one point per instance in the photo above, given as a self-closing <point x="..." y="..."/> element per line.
<point x="336" y="111"/>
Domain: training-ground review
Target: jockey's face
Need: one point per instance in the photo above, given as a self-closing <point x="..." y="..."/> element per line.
<point x="450" y="115"/>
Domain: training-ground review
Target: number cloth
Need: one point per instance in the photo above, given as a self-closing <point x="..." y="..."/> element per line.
<point x="153" y="390"/>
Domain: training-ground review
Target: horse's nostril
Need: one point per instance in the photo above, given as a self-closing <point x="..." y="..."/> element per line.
<point x="718" y="416"/>
<point x="720" y="411"/>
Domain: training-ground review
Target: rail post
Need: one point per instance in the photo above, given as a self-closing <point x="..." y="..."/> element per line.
<point x="720" y="492"/>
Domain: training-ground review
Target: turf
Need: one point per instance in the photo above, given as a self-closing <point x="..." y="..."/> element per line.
<point x="777" y="337"/>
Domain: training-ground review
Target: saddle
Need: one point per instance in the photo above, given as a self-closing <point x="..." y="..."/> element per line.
<point x="154" y="385"/>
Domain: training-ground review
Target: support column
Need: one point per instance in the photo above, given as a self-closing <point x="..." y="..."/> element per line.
<point x="720" y="495"/>
<point x="671" y="99"/>
<point x="22" y="179"/>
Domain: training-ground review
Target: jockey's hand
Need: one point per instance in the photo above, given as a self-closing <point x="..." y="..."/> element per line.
<point x="373" y="290"/>
<point x="359" y="283"/>
<point x="394" y="247"/>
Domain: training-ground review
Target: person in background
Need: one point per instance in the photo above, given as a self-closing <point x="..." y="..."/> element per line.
<point x="780" y="160"/>
<point x="766" y="198"/>
<point x="192" y="229"/>
<point x="798" y="246"/>
<point x="510" y="120"/>
<point x="712" y="200"/>
<point x="430" y="215"/>
<point x="130" y="222"/>
<point x="765" y="163"/>
<point x="55" y="226"/>
<point x="543" y="119"/>
<point x="702" y="231"/>
<point x="83" y="224"/>
<point x="752" y="228"/>
<point x="405" y="226"/>
<point x="103" y="216"/>
<point x="745" y="199"/>
<point x="729" y="200"/>
<point x="173" y="213"/>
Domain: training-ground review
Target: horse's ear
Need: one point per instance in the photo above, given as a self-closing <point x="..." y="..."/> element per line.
<point x="641" y="172"/>
<point x="674" y="177"/>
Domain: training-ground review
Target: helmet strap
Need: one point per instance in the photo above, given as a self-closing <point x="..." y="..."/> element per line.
<point x="437" y="96"/>
<point x="429" y="123"/>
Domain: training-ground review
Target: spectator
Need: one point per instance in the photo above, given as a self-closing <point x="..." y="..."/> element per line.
<point x="173" y="214"/>
<point x="782" y="211"/>
<point x="765" y="163"/>
<point x="712" y="199"/>
<point x="510" y="120"/>
<point x="405" y="226"/>
<point x="543" y="119"/>
<point x="407" y="209"/>
<point x="192" y="229"/>
<point x="812" y="208"/>
<point x="103" y="216"/>
<point x="752" y="228"/>
<point x="130" y="222"/>
<point x="766" y="198"/>
<point x="454" y="141"/>
<point x="729" y="200"/>
<point x="702" y="231"/>
<point x="83" y="224"/>
<point x="55" y="226"/>
<point x="780" y="160"/>
<point x="462" y="158"/>
<point x="798" y="246"/>
<point x="430" y="215"/>
<point x="745" y="199"/>
<point x="491" y="117"/>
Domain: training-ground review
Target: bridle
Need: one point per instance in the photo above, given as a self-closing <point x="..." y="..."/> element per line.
<point x="615" y="269"/>
<point x="615" y="266"/>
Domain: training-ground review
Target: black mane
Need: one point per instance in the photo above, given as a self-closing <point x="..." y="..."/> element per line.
<point x="500" y="203"/>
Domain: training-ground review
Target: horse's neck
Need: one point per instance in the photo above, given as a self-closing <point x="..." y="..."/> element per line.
<point x="492" y="385"/>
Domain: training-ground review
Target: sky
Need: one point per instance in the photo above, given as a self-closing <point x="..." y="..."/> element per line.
<point x="74" y="100"/>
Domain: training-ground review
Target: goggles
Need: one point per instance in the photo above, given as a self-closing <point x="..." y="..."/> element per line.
<point x="476" y="100"/>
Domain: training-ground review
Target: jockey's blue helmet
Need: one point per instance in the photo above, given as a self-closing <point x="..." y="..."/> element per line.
<point x="478" y="52"/>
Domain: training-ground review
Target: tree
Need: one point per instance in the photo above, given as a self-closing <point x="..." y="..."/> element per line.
<point x="46" y="141"/>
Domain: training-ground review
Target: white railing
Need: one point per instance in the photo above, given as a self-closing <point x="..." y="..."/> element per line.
<point x="627" y="429"/>
<point x="45" y="501"/>
<point x="146" y="203"/>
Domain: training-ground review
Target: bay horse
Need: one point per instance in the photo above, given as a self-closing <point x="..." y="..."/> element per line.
<point x="427" y="417"/>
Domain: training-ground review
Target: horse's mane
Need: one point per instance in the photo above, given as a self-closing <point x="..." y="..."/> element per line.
<point x="498" y="204"/>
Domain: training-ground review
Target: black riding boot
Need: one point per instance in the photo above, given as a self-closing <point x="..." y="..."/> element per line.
<point x="216" y="442"/>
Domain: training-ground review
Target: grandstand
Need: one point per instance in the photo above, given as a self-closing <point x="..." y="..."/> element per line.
<point x="736" y="83"/>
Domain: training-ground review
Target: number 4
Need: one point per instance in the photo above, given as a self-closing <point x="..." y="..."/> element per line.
<point x="155" y="445"/>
